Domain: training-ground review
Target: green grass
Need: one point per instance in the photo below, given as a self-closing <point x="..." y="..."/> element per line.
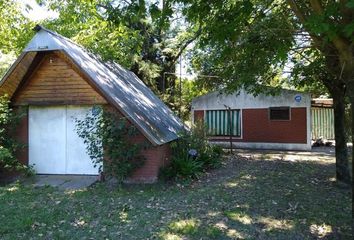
<point x="261" y="198"/>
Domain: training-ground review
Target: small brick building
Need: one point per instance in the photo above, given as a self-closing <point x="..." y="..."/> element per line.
<point x="57" y="81"/>
<point x="265" y="122"/>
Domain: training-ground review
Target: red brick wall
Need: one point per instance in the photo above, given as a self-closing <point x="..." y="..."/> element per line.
<point x="22" y="135"/>
<point x="198" y="115"/>
<point x="155" y="158"/>
<point x="257" y="127"/>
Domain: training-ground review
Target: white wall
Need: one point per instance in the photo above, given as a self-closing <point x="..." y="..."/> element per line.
<point x="215" y="100"/>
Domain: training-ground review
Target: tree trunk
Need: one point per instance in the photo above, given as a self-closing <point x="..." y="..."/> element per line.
<point x="350" y="90"/>
<point x="352" y="120"/>
<point x="342" y="165"/>
<point x="348" y="74"/>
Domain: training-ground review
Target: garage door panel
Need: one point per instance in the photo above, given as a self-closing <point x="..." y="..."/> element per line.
<point x="78" y="161"/>
<point x="54" y="145"/>
<point x="47" y="139"/>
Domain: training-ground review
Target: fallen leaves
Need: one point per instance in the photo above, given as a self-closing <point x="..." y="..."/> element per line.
<point x="246" y="198"/>
<point x="35" y="225"/>
<point x="320" y="231"/>
<point x="78" y="223"/>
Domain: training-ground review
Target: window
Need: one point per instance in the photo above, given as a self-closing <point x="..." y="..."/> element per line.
<point x="217" y="122"/>
<point x="279" y="113"/>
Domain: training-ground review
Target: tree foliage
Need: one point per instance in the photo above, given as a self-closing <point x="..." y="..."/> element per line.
<point x="5" y="62"/>
<point x="235" y="42"/>
<point x="15" y="32"/>
<point x="248" y="43"/>
<point x="15" y="28"/>
<point x="143" y="36"/>
<point x="9" y="146"/>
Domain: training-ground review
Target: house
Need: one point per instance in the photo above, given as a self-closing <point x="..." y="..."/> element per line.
<point x="263" y="121"/>
<point x="56" y="81"/>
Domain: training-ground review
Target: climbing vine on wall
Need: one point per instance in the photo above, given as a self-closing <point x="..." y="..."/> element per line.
<point x="109" y="142"/>
<point x="9" y="121"/>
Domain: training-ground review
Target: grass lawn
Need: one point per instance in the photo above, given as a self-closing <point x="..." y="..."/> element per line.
<point x="260" y="195"/>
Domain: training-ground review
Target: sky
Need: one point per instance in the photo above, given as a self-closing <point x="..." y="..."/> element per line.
<point x="36" y="13"/>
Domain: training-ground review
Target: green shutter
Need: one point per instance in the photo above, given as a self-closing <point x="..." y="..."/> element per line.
<point x="322" y="123"/>
<point x="217" y="122"/>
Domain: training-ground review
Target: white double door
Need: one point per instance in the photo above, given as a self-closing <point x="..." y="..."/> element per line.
<point x="54" y="145"/>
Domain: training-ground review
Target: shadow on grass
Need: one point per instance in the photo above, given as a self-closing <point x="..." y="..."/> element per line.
<point x="245" y="199"/>
<point x="269" y="199"/>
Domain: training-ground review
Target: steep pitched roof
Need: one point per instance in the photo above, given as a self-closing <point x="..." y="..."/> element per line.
<point x="122" y="88"/>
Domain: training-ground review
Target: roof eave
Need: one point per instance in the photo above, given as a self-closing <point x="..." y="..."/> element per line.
<point x="11" y="69"/>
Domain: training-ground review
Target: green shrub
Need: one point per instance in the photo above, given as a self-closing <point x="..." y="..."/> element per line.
<point x="182" y="168"/>
<point x="106" y="137"/>
<point x="183" y="165"/>
<point x="8" y="145"/>
<point x="6" y="158"/>
<point x="211" y="156"/>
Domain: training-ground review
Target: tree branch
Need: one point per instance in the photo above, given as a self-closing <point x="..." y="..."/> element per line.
<point x="340" y="43"/>
<point x="183" y="46"/>
<point x="316" y="6"/>
<point x="302" y="55"/>
<point x="301" y="47"/>
<point x="301" y="16"/>
<point x="347" y="13"/>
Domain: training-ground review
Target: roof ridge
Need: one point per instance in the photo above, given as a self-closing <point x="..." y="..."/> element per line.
<point x="38" y="27"/>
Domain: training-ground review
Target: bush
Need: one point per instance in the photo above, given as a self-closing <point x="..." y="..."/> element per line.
<point x="184" y="164"/>
<point x="106" y="137"/>
<point x="8" y="145"/>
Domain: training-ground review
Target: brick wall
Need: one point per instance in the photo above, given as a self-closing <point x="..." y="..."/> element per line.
<point x="198" y="115"/>
<point x="257" y="127"/>
<point x="22" y="135"/>
<point x="155" y="158"/>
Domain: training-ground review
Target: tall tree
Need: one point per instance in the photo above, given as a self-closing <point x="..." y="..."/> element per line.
<point x="330" y="25"/>
<point x="249" y="42"/>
